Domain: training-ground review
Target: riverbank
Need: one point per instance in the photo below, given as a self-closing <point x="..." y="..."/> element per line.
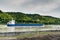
<point x="41" y="36"/>
<point x="44" y="37"/>
<point x="34" y="36"/>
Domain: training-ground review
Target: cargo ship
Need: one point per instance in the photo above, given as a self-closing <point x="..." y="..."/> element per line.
<point x="12" y="23"/>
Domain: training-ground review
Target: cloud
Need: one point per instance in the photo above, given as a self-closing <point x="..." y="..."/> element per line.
<point x="43" y="7"/>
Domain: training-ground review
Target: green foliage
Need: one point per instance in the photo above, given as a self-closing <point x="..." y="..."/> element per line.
<point x="4" y="18"/>
<point x="1" y="11"/>
<point x="27" y="18"/>
<point x="33" y="18"/>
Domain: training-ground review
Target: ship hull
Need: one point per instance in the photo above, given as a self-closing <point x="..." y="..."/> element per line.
<point x="24" y="24"/>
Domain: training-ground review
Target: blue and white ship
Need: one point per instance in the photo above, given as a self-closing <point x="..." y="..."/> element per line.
<point x="12" y="23"/>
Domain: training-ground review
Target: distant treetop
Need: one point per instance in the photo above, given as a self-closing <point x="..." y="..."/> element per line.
<point x="1" y="11"/>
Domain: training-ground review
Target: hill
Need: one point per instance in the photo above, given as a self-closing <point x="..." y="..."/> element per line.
<point x="27" y="18"/>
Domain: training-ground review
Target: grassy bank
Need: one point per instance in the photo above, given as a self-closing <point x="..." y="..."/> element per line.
<point x="30" y="35"/>
<point x="35" y="35"/>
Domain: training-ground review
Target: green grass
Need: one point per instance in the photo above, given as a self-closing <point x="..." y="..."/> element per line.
<point x="29" y="35"/>
<point x="35" y="34"/>
<point x="25" y="35"/>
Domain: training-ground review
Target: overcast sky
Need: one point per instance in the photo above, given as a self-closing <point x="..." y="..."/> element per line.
<point x="42" y="7"/>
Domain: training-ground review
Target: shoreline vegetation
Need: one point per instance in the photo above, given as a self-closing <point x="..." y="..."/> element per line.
<point x="27" y="18"/>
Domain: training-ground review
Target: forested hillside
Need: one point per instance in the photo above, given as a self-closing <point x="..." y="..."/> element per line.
<point x="27" y="18"/>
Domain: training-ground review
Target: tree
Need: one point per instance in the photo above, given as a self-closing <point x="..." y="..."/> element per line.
<point x="4" y="17"/>
<point x="1" y="11"/>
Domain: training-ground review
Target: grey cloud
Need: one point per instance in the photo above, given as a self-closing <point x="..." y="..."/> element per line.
<point x="36" y="2"/>
<point x="42" y="5"/>
<point x="57" y="9"/>
<point x="45" y="7"/>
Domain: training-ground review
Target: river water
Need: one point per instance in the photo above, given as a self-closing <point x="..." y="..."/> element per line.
<point x="5" y="28"/>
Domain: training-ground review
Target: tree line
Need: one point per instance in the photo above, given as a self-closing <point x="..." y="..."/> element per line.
<point x="20" y="17"/>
